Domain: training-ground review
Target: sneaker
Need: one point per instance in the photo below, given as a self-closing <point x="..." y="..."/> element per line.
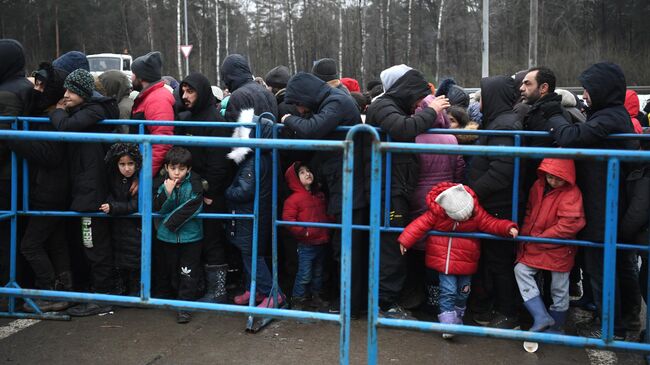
<point x="396" y="312"/>
<point x="484" y="318"/>
<point x="299" y="303"/>
<point x="268" y="302"/>
<point x="334" y="307"/>
<point x="243" y="299"/>
<point x="89" y="309"/>
<point x="183" y="317"/>
<point x="504" y="322"/>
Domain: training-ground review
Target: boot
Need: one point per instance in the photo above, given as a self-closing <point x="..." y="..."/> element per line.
<point x="460" y="313"/>
<point x="183" y="317"/>
<point x="560" y="319"/>
<point x="537" y="309"/>
<point x="215" y="277"/>
<point x="242" y="299"/>
<point x="45" y="305"/>
<point x="449" y="317"/>
<point x="268" y="302"/>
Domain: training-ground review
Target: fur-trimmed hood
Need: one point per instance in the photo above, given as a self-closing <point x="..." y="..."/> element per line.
<point x="238" y="154"/>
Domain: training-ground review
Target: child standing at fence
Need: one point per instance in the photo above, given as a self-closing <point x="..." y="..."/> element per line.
<point x="453" y="208"/>
<point x="554" y="210"/>
<point x="306" y="204"/>
<point x="124" y="162"/>
<point x="179" y="199"/>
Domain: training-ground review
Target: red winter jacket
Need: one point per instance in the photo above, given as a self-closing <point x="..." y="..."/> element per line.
<point x="305" y="206"/>
<point x="558" y="213"/>
<point x="632" y="105"/>
<point x="156" y="103"/>
<point x="452" y="255"/>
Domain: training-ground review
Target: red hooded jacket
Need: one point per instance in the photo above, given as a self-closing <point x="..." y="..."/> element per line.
<point x="452" y="255"/>
<point x="556" y="213"/>
<point x="305" y="206"/>
<point x="156" y="103"/>
<point x="632" y="105"/>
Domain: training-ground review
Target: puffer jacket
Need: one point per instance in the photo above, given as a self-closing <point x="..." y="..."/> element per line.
<point x="633" y="106"/>
<point x="155" y="103"/>
<point x="240" y="195"/>
<point x="452" y="255"/>
<point x="245" y="93"/>
<point x="633" y="221"/>
<point x="305" y="206"/>
<point x="87" y="170"/>
<point x="554" y="213"/>
<point x="330" y="108"/>
<point x="605" y="84"/>
<point x="180" y="207"/>
<point x="491" y="176"/>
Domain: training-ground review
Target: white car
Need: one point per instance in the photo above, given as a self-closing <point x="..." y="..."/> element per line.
<point x="109" y="61"/>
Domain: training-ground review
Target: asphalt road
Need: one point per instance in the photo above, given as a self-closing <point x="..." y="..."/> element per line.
<point x="148" y="337"/>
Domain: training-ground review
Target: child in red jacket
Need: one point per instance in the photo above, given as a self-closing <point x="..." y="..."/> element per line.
<point x="554" y="210"/>
<point x="453" y="208"/>
<point x="306" y="204"/>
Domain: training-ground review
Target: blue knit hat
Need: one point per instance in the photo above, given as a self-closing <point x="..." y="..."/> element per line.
<point x="80" y="82"/>
<point x="71" y="61"/>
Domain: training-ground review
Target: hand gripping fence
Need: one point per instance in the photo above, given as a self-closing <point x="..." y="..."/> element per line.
<point x="377" y="224"/>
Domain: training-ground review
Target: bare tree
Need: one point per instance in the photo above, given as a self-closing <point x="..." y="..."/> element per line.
<point x="149" y="25"/>
<point x="438" y="38"/>
<point x="216" y="34"/>
<point x="178" y="37"/>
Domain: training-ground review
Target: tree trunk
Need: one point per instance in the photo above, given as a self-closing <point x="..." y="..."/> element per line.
<point x="149" y="25"/>
<point x="340" y="4"/>
<point x="227" y="28"/>
<point x="409" y="32"/>
<point x="126" y="26"/>
<point x="56" y="29"/>
<point x="178" y="38"/>
<point x="438" y="38"/>
<point x="362" y="29"/>
<point x="216" y="32"/>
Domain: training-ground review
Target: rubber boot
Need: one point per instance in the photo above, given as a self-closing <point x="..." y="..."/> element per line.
<point x="215" y="277"/>
<point x="460" y="313"/>
<point x="560" y="319"/>
<point x="449" y="317"/>
<point x="537" y="309"/>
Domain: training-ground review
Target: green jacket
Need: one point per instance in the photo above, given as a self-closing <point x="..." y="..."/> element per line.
<point x="180" y="208"/>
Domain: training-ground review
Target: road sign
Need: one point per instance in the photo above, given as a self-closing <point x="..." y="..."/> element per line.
<point x="186" y="49"/>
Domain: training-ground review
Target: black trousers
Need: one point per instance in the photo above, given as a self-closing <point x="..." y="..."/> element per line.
<point x="45" y="247"/>
<point x="96" y="238"/>
<point x="499" y="258"/>
<point x="5" y="231"/>
<point x="178" y="269"/>
<point x="214" y="236"/>
<point x="358" y="244"/>
<point x="392" y="264"/>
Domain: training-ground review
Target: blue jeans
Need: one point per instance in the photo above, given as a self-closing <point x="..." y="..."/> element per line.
<point x="454" y="291"/>
<point x="310" y="269"/>
<point x="264" y="280"/>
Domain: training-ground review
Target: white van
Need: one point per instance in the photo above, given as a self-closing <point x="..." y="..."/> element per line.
<point x="109" y="61"/>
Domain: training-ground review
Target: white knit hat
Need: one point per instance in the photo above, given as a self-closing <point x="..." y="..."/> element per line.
<point x="457" y="203"/>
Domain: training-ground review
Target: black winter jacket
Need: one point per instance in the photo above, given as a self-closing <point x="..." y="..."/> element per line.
<point x="87" y="169"/>
<point x="330" y="108"/>
<point x="491" y="177"/>
<point x="605" y="84"/>
<point x="125" y="232"/>
<point x="393" y="113"/>
<point x="245" y="93"/>
<point x="209" y="162"/>
<point x="633" y="221"/>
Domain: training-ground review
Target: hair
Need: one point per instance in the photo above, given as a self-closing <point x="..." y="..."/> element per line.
<point x="363" y="100"/>
<point x="460" y="114"/>
<point x="544" y="75"/>
<point x="178" y="156"/>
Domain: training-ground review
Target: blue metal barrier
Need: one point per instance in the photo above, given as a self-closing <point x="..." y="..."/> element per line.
<point x="375" y="227"/>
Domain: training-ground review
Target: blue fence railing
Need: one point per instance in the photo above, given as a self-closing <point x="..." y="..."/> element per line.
<point x="377" y="224"/>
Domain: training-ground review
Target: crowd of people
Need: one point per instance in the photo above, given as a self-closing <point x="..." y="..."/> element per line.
<point x="448" y="276"/>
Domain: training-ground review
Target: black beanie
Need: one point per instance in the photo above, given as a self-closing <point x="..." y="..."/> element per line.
<point x="325" y="69"/>
<point x="148" y="67"/>
<point x="278" y="77"/>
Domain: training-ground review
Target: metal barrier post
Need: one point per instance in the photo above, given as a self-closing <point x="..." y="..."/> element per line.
<point x="609" y="271"/>
<point x="146" y="195"/>
<point x="515" y="183"/>
<point x="256" y="212"/>
<point x="14" y="224"/>
<point x="25" y="205"/>
<point x="346" y="251"/>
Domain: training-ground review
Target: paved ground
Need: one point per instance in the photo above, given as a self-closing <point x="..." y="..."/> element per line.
<point x="148" y="337"/>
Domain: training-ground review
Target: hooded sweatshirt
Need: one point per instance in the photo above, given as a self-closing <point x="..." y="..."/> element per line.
<point x="305" y="206"/>
<point x="117" y="86"/>
<point x="452" y="255"/>
<point x="552" y="213"/>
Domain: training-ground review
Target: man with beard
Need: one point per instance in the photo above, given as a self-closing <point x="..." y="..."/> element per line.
<point x="196" y="102"/>
<point x="153" y="103"/>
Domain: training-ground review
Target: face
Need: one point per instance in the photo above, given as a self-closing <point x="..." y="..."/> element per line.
<point x="136" y="82"/>
<point x="530" y="90"/>
<point x="554" y="181"/>
<point x="189" y="96"/>
<point x="126" y="165"/>
<point x="453" y="123"/>
<point x="305" y="176"/>
<point x="302" y="109"/>
<point x="71" y="99"/>
<point x="586" y="97"/>
<point x="177" y="172"/>
<point x="39" y="85"/>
